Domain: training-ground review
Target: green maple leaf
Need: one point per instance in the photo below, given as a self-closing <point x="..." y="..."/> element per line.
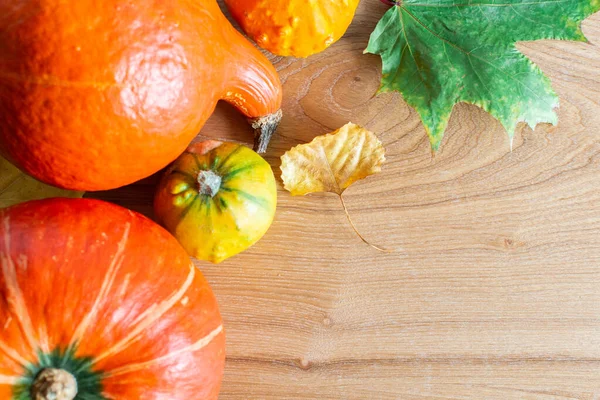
<point x="437" y="53"/>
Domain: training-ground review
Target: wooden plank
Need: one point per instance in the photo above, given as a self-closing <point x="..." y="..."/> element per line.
<point x="493" y="288"/>
<point x="415" y="380"/>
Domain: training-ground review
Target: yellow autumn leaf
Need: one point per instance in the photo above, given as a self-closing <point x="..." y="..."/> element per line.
<point x="333" y="162"/>
<point x="17" y="187"/>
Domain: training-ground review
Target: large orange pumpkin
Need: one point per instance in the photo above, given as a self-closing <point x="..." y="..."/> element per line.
<point x="98" y="94"/>
<point x="101" y="300"/>
<point x="294" y="27"/>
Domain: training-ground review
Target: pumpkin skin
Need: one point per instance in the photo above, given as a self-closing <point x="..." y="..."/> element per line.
<point x="293" y="27"/>
<point x="237" y="215"/>
<point x="81" y="91"/>
<point x="106" y="290"/>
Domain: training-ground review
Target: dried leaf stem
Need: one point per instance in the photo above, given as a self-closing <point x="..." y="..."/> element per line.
<point x="356" y="230"/>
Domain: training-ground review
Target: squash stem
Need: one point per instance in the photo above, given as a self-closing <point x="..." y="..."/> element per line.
<point x="264" y="127"/>
<point x="209" y="183"/>
<point x="54" y="384"/>
<point x="356" y="230"/>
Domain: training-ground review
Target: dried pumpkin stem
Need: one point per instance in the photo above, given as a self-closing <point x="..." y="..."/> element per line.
<point x="356" y="230"/>
<point x="264" y="127"/>
<point x="54" y="384"/>
<point x="209" y="183"/>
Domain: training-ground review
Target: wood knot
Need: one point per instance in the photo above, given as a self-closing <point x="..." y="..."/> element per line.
<point x="304" y="364"/>
<point x="510" y="243"/>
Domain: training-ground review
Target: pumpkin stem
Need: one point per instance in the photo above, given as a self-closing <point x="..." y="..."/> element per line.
<point x="209" y="183"/>
<point x="263" y="130"/>
<point x="54" y="384"/>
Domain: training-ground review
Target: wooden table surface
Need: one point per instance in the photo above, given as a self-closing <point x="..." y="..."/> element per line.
<point x="493" y="288"/>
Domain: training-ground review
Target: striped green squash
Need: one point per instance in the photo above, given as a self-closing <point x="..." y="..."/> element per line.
<point x="217" y="199"/>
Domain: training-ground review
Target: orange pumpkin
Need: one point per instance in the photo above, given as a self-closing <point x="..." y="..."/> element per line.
<point x="99" y="94"/>
<point x="294" y="27"/>
<point x="102" y="302"/>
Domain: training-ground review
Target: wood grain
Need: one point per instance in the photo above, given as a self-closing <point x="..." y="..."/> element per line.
<point x="493" y="290"/>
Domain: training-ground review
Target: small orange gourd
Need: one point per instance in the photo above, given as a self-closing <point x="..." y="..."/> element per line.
<point x="294" y="27"/>
<point x="98" y="94"/>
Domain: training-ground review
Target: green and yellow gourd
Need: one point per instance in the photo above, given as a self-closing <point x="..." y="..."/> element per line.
<point x="217" y="199"/>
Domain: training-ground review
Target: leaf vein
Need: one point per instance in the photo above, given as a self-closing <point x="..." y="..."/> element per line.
<point x="408" y="44"/>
